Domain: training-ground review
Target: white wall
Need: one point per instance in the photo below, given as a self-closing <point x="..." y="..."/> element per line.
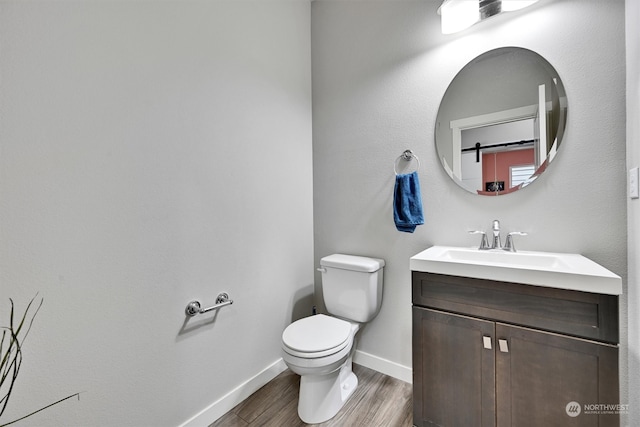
<point x="152" y="153"/>
<point x="379" y="72"/>
<point x="633" y="209"/>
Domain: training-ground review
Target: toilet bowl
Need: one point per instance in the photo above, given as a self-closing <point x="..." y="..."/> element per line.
<point x="320" y="348"/>
<point x="324" y="365"/>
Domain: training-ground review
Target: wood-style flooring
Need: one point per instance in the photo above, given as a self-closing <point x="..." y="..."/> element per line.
<point x="379" y="401"/>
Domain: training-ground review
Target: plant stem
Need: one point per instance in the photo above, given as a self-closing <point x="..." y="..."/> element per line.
<point x="41" y="409"/>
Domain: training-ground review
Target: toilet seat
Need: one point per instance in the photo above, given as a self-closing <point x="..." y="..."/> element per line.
<point x="316" y="336"/>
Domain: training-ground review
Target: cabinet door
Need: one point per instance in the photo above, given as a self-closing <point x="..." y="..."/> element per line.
<point x="540" y="374"/>
<point x="453" y="370"/>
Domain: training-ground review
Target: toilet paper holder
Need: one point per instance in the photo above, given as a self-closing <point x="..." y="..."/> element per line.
<point x="194" y="307"/>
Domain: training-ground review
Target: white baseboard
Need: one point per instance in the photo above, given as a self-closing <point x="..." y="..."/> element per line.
<point x="235" y="396"/>
<point x="387" y="367"/>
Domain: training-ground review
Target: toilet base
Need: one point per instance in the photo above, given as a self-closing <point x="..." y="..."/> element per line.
<point x="322" y="396"/>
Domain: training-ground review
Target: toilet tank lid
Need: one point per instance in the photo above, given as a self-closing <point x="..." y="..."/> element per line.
<point x="352" y="262"/>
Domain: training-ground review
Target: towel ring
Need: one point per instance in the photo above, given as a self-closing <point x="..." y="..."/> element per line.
<point x="407" y="155"/>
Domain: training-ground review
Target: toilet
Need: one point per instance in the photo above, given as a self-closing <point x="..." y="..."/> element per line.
<point x="320" y="348"/>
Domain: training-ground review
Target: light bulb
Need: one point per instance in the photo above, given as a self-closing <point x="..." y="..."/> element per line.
<point x="456" y="15"/>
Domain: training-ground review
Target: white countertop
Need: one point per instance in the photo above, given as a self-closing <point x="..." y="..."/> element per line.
<point x="552" y="270"/>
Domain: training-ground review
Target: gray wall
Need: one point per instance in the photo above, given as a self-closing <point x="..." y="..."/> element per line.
<point x="152" y="153"/>
<point x="380" y="69"/>
<point x="633" y="210"/>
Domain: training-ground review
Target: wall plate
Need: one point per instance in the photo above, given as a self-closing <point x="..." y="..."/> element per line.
<point x="633" y="183"/>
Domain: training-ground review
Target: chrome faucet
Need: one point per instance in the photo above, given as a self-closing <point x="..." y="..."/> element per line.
<point x="484" y="244"/>
<point x="508" y="245"/>
<point x="496" y="243"/>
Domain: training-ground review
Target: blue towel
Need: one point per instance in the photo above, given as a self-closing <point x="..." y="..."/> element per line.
<point x="407" y="202"/>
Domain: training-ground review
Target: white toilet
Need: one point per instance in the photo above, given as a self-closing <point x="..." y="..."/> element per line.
<point x="320" y="348"/>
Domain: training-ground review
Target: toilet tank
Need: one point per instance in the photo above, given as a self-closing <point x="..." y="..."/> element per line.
<point x="352" y="286"/>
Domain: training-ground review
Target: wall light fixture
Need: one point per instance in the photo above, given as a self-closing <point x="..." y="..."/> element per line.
<point x="456" y="15"/>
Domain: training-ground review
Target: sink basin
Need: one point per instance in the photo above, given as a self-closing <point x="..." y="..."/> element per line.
<point x="556" y="270"/>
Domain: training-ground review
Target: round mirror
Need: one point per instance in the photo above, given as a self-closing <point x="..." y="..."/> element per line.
<point x="501" y="121"/>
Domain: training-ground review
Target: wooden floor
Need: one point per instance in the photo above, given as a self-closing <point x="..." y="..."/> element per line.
<point x="379" y="400"/>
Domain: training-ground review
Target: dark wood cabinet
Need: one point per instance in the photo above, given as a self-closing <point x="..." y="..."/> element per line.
<point x="540" y="373"/>
<point x="454" y="375"/>
<point x="500" y="354"/>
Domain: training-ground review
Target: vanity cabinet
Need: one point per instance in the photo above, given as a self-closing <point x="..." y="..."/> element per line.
<point x="489" y="353"/>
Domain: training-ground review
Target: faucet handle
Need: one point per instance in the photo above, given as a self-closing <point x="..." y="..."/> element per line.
<point x="484" y="243"/>
<point x="508" y="245"/>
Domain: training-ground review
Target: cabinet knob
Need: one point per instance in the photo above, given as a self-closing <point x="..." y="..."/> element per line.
<point x="486" y="342"/>
<point x="504" y="347"/>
